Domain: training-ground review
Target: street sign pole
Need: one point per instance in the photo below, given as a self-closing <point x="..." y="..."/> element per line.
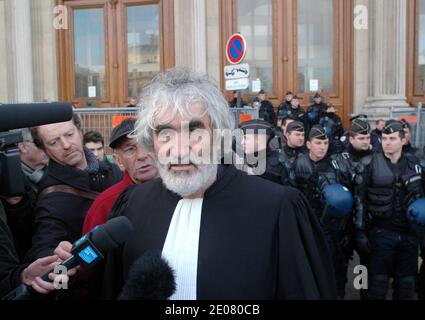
<point x="239" y="101"/>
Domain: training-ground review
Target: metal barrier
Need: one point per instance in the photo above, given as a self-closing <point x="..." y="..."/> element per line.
<point x="244" y="114"/>
<point x="416" y="117"/>
<point x="104" y="120"/>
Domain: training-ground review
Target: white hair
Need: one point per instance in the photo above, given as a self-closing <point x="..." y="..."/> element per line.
<point x="173" y="93"/>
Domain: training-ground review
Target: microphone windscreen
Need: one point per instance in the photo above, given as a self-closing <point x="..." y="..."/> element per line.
<point x="111" y="234"/>
<point x="149" y="278"/>
<point x="17" y="116"/>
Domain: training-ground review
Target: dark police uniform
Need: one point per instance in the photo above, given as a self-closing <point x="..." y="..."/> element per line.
<point x="315" y="112"/>
<point x="352" y="164"/>
<point x="387" y="191"/>
<point x="285" y="103"/>
<point x="273" y="168"/>
<point x="267" y="112"/>
<point x="288" y="155"/>
<point x="311" y="178"/>
<point x="297" y="114"/>
<point x="334" y="129"/>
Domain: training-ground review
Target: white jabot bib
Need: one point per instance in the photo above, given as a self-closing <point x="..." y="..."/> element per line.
<point x="181" y="247"/>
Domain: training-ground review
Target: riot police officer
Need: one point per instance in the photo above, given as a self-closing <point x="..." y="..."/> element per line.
<point x="352" y="164"/>
<point x="295" y="139"/>
<point x="266" y="111"/>
<point x="295" y="111"/>
<point x="286" y="104"/>
<point x="316" y="111"/>
<point x="359" y="152"/>
<point x="279" y="140"/>
<point x="258" y="158"/>
<point x="334" y="129"/>
<point x="313" y="174"/>
<point x="408" y="148"/>
<point x="392" y="183"/>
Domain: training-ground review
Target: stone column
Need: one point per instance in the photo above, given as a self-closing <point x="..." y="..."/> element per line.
<point x="387" y="61"/>
<point x="19" y="51"/>
<point x="44" y="50"/>
<point x="213" y="40"/>
<point x="190" y="34"/>
<point x="3" y="59"/>
<point x="361" y="57"/>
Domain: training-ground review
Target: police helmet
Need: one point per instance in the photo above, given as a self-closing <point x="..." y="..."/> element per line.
<point x="338" y="200"/>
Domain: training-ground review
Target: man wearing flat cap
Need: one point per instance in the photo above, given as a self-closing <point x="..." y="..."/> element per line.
<point x="259" y="159"/>
<point x="137" y="164"/>
<point x="392" y="183"/>
<point x="313" y="172"/>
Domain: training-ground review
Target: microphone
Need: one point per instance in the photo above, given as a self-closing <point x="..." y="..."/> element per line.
<point x="88" y="251"/>
<point x="17" y="116"/>
<point x="150" y="278"/>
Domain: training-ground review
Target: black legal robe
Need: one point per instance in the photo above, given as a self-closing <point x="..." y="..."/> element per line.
<point x="258" y="240"/>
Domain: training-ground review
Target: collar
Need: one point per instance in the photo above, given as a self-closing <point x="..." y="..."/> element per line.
<point x="34" y="176"/>
<point x="226" y="175"/>
<point x="358" y="153"/>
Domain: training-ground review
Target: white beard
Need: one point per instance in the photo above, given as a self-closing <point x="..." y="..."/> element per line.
<point x="186" y="184"/>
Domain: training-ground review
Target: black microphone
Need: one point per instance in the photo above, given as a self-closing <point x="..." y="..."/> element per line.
<point x="88" y="251"/>
<point x="150" y="278"/>
<point x="17" y="116"/>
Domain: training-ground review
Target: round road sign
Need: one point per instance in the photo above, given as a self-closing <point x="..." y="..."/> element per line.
<point x="236" y="48"/>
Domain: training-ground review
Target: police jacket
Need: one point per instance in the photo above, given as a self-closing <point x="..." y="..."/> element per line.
<point x="312" y="177"/>
<point x="352" y="164"/>
<point x="297" y="114"/>
<point x="267" y="113"/>
<point x="388" y="189"/>
<point x="315" y="112"/>
<point x="287" y="158"/>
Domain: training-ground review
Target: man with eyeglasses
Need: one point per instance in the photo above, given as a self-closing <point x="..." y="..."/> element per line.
<point x="136" y="162"/>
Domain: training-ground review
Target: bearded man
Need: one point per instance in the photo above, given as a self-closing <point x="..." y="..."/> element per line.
<point x="225" y="234"/>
